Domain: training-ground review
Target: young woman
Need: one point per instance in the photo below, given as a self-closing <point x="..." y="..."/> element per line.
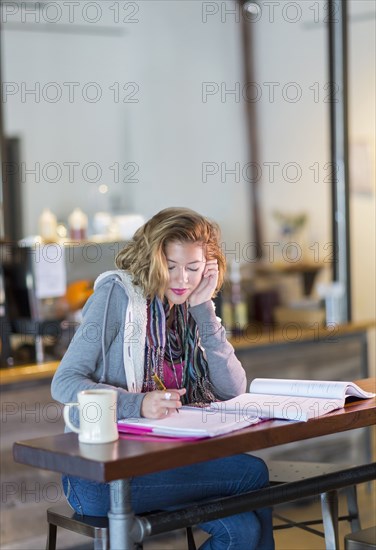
<point x="155" y="315"/>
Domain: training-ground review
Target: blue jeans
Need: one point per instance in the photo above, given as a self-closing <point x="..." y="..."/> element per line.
<point x="180" y="487"/>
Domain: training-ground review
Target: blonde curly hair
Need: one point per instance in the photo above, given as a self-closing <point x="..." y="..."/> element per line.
<point x="144" y="256"/>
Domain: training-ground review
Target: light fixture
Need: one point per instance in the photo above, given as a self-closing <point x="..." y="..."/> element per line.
<point x="252" y="8"/>
<point x="103" y="189"/>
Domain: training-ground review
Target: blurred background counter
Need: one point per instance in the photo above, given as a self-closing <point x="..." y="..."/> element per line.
<point x="338" y="352"/>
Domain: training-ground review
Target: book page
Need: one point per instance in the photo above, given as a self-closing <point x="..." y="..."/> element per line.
<point x="354" y="390"/>
<point x="308" y="388"/>
<point x="298" y="408"/>
<point x="314" y="388"/>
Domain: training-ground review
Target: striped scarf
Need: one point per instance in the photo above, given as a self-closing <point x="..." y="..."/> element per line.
<point x="181" y="337"/>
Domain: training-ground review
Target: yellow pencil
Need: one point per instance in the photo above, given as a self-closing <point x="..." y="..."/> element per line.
<point x="159" y="382"/>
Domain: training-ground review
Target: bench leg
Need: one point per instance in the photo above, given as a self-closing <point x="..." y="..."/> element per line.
<point x="51" y="537"/>
<point x="352" y="506"/>
<point x="190" y="539"/>
<point x="329" y="508"/>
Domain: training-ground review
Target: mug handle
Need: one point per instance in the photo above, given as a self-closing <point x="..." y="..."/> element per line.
<point x="67" y="421"/>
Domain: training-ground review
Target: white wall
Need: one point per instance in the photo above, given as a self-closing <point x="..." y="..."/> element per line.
<point x="169" y="133"/>
<point x="291" y="67"/>
<point x="289" y="51"/>
<point x="362" y="126"/>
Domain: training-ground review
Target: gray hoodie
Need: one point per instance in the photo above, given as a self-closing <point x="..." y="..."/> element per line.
<point x="82" y="367"/>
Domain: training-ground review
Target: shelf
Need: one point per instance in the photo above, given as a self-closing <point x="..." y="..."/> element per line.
<point x="308" y="271"/>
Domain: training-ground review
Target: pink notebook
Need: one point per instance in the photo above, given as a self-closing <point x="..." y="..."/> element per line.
<point x="136" y="433"/>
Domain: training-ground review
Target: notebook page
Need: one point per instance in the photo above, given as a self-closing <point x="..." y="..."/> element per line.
<point x="192" y="423"/>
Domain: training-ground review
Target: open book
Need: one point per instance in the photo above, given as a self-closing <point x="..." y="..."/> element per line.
<point x="190" y="422"/>
<point x="289" y="399"/>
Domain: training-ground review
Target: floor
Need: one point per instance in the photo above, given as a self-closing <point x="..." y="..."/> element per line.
<point x="26" y="493"/>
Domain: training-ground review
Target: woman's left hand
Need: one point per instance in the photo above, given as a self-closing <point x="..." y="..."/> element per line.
<point x="207" y="286"/>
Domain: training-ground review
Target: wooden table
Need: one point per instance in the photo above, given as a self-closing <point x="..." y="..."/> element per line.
<point x="115" y="462"/>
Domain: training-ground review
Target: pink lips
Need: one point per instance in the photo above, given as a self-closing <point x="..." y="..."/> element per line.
<point x="179" y="291"/>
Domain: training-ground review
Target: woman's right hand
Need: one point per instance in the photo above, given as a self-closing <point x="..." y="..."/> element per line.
<point x="158" y="404"/>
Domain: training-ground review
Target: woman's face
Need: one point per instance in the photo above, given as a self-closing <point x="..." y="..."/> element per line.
<point x="186" y="264"/>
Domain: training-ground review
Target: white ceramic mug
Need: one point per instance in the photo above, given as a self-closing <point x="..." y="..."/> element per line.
<point x="97" y="414"/>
